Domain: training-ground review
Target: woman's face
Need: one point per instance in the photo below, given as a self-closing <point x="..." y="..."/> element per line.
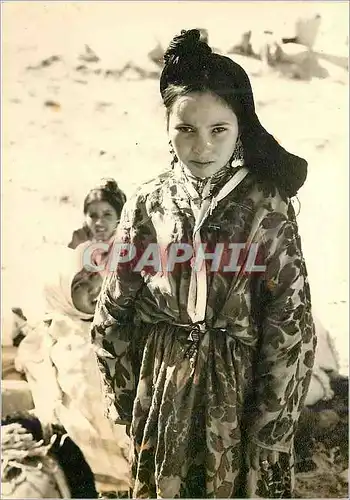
<point x="203" y="130"/>
<point x="86" y="288"/>
<point x="102" y="220"/>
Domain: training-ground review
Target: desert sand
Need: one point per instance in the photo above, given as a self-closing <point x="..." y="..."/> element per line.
<point x="99" y="125"/>
<point x="65" y="127"/>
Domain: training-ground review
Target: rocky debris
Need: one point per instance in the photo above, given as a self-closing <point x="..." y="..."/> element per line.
<point x="89" y="55"/>
<point x="303" y="63"/>
<point x="45" y="63"/>
<point x="54" y="105"/>
<point x="253" y="42"/>
<point x="321" y="445"/>
<point x="132" y="71"/>
<point x="306" y="30"/>
<point x="156" y="54"/>
<point x="292" y="54"/>
<point x="242" y="45"/>
<point x="325" y="475"/>
<point x="65" y="198"/>
<point x="320" y="484"/>
<point x="101" y="105"/>
<point x="81" y="82"/>
<point x="291" y="59"/>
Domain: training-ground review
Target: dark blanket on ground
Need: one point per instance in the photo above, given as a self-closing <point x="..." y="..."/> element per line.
<point x="322" y="447"/>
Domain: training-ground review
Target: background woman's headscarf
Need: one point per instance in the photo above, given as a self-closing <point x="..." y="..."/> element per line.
<point x="63" y="266"/>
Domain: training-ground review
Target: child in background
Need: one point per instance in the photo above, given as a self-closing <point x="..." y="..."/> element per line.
<point x="102" y="210"/>
<point x="60" y="365"/>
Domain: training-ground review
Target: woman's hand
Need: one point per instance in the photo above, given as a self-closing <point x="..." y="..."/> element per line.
<point x="257" y="456"/>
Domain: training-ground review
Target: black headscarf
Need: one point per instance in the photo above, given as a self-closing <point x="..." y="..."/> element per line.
<point x="191" y="65"/>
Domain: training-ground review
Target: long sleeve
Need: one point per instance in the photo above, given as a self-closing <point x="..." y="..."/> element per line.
<point x="113" y="331"/>
<point x="287" y="343"/>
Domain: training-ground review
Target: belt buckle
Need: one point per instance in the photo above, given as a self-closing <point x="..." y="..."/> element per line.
<point x="194" y="337"/>
<point x="196" y="331"/>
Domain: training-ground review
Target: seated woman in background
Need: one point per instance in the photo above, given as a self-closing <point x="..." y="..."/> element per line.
<point x="102" y="209"/>
<point x="60" y="366"/>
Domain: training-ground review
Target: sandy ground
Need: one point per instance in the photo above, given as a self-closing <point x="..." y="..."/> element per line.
<point x="108" y="126"/>
<point x="115" y="126"/>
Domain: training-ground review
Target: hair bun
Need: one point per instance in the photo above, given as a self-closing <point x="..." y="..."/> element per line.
<point x="188" y="44"/>
<point x="109" y="184"/>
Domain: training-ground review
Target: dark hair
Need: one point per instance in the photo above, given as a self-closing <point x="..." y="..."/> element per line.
<point x="191" y="66"/>
<point x="107" y="191"/>
<point x="78" y="474"/>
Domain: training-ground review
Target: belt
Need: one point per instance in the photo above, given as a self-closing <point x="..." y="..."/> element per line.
<point x="196" y="334"/>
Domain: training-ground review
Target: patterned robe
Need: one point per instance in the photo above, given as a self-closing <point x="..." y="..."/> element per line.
<point x="195" y="397"/>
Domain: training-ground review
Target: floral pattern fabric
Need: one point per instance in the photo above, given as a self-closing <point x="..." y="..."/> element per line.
<point x="192" y="416"/>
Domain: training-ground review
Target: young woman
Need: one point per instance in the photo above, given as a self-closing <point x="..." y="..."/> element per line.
<point x="102" y="208"/>
<point x="210" y="364"/>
